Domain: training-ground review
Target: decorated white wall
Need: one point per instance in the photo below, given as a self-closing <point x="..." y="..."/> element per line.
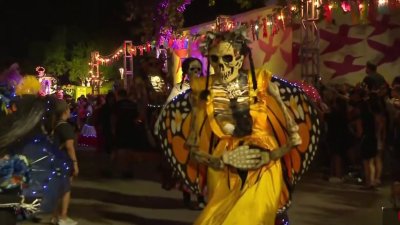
<point x="346" y="47"/>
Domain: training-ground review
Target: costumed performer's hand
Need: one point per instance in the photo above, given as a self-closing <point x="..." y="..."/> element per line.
<point x="198" y="156"/>
<point x="295" y="140"/>
<point x="243" y="157"/>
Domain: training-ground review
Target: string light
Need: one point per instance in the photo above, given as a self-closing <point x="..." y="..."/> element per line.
<point x="169" y="39"/>
<point x="154" y="106"/>
<point x="382" y="2"/>
<point x="57" y="171"/>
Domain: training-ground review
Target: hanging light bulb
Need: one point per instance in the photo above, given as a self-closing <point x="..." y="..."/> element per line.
<point x="382" y="2"/>
<point x="346" y="6"/>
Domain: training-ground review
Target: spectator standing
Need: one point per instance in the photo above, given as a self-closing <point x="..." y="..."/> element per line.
<point x="125" y="133"/>
<point x="65" y="136"/>
<point x="104" y="122"/>
<point x="366" y="132"/>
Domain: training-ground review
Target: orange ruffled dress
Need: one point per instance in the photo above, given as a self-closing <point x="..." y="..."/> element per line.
<point x="254" y="201"/>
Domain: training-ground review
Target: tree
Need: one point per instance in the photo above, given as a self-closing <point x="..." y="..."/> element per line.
<point x="79" y="64"/>
<point x="55" y="54"/>
<point x="110" y="72"/>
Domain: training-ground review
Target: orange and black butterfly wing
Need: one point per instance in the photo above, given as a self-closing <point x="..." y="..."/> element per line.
<point x="304" y="112"/>
<point x="173" y="131"/>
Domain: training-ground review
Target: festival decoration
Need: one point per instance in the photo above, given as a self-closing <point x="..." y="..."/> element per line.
<point x="15" y="173"/>
<point x="48" y="83"/>
<point x="171" y="38"/>
<point x="345" y="6"/>
<point x="28" y="85"/>
<point x="311" y="92"/>
<point x="69" y="89"/>
<point x="265" y="25"/>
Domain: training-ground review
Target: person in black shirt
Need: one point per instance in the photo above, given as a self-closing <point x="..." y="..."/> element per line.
<point x="373" y="81"/>
<point x="64" y="135"/>
<point x="103" y="122"/>
<point x="366" y="124"/>
<point x="126" y="132"/>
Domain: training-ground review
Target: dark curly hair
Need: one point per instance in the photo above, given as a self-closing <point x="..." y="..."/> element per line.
<point x="186" y="65"/>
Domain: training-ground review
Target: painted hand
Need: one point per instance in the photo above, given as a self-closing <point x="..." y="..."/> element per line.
<point x="243" y="157"/>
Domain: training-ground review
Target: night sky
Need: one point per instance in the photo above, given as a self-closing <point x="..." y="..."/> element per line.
<point x="26" y="23"/>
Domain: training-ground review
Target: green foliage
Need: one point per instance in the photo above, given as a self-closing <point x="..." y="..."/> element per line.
<point x="78" y="65"/>
<point x="110" y="72"/>
<point x="55" y="60"/>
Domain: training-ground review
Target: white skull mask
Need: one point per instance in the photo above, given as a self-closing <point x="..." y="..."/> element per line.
<point x="194" y="69"/>
<point x="225" y="62"/>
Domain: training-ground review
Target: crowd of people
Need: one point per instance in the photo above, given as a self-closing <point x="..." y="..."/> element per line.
<point x="121" y="124"/>
<point x="362" y="125"/>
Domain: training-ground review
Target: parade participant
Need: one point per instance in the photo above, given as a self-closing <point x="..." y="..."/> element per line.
<point x="25" y="143"/>
<point x="255" y="133"/>
<point x="191" y="68"/>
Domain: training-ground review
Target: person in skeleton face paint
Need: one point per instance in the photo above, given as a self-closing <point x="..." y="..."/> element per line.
<point x="244" y="177"/>
<point x="191" y="68"/>
<point x="255" y="134"/>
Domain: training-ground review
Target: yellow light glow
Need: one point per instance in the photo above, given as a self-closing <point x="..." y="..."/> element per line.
<point x="382" y="2"/>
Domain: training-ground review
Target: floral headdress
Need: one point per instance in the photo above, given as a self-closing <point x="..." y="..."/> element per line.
<point x="238" y="38"/>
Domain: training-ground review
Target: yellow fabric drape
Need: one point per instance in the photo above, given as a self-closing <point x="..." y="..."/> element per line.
<point x="255" y="202"/>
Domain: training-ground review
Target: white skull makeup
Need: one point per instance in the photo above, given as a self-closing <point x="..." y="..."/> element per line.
<point x="225" y="62"/>
<point x="194" y="69"/>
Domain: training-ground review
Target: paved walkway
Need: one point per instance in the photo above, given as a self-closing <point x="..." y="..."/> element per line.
<point x="141" y="201"/>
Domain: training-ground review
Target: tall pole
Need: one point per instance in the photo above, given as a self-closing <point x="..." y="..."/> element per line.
<point x="128" y="64"/>
<point x="95" y="73"/>
<point x="309" y="50"/>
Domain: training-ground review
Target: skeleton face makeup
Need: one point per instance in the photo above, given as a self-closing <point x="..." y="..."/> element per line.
<point x="194" y="69"/>
<point x="225" y="62"/>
